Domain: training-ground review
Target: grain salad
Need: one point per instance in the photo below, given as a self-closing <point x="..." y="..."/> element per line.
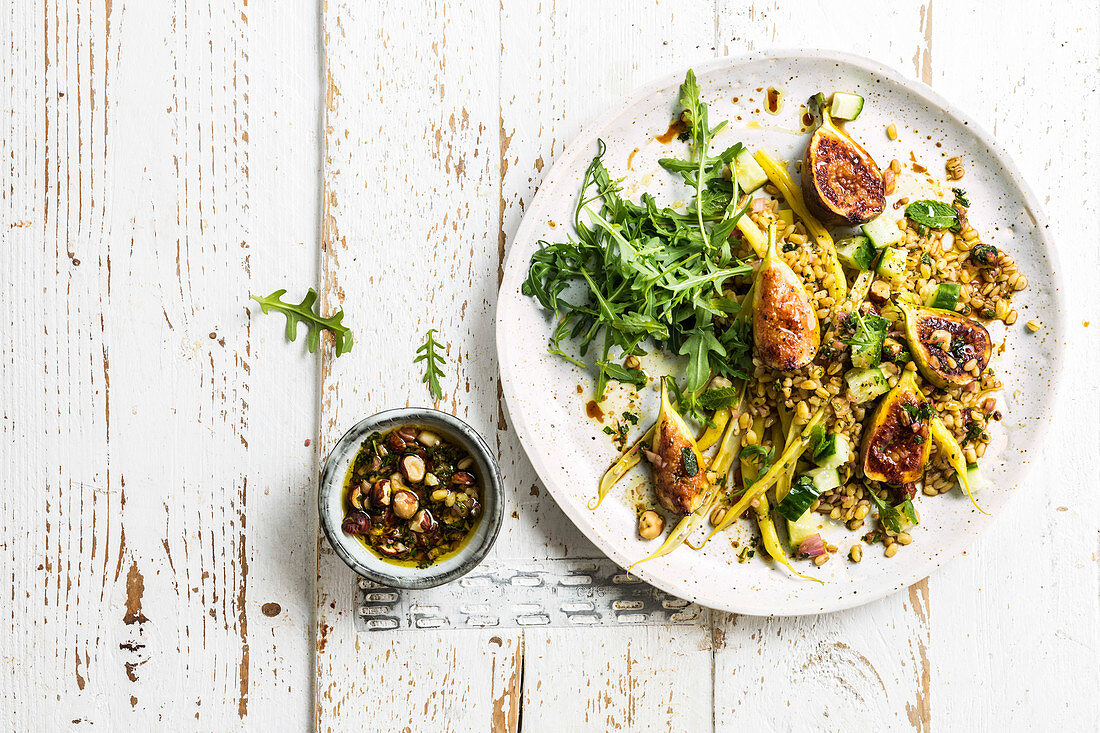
<point x="838" y="349"/>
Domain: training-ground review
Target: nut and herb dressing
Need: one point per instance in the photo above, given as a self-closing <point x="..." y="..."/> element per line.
<point x="412" y="496"/>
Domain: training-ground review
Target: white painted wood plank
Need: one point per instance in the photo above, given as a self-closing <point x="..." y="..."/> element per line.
<point x="128" y="380"/>
<point x="562" y="64"/>
<point x="856" y="668"/>
<point x="1018" y="644"/>
<point x="410" y="243"/>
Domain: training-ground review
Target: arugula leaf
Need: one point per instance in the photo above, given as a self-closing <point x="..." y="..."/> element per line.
<point x="304" y="313"/>
<point x="621" y="374"/>
<point x="895" y="518"/>
<point x="698" y="347"/>
<point x="719" y="398"/>
<point x="933" y="214"/>
<point x="432" y="359"/>
<point x="633" y="271"/>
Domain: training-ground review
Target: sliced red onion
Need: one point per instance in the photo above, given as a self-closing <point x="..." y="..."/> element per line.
<point x="812" y="546"/>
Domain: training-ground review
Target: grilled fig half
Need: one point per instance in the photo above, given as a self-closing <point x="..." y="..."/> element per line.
<point x="942" y="342"/>
<point x="785" y="328"/>
<point x="896" y="442"/>
<point x="840" y="181"/>
<point x="678" y="467"/>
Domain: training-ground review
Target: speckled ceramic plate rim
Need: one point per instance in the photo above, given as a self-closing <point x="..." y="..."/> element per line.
<point x="577" y="511"/>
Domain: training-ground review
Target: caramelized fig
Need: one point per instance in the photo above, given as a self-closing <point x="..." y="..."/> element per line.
<point x="896" y="442"/>
<point x="840" y="181"/>
<point x="785" y="328"/>
<point x="678" y="466"/>
<point x="943" y="342"/>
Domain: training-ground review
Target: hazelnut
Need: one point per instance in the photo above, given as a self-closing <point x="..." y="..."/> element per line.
<point x="650" y="525"/>
<point x="391" y="550"/>
<point x="356" y="523"/>
<point x="423" y="522"/>
<point x="413" y="468"/>
<point x="430" y="479"/>
<point x="395" y="442"/>
<point x="357" y="497"/>
<point x="462" y="477"/>
<point x="405" y="503"/>
<point x="428" y="439"/>
<point x="465" y="463"/>
<point x="380" y="494"/>
<point x="407" y="434"/>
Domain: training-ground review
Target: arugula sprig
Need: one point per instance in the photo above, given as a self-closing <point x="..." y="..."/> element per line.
<point x="304" y="312"/>
<point x="637" y="271"/>
<point x="429" y="354"/>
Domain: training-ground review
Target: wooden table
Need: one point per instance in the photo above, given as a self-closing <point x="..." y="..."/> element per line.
<point x="165" y="159"/>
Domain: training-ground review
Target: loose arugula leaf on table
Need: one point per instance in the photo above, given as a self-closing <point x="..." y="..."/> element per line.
<point x="895" y="518"/>
<point x="933" y="214"/>
<point x="636" y="271"/>
<point x="304" y="313"/>
<point x="429" y="354"/>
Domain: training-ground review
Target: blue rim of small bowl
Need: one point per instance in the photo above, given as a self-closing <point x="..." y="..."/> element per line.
<point x="355" y="554"/>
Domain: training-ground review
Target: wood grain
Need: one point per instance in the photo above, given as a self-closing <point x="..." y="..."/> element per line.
<point x="134" y="388"/>
<point x="161" y="163"/>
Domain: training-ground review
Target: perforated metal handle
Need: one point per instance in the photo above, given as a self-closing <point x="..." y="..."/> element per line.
<point x="512" y="594"/>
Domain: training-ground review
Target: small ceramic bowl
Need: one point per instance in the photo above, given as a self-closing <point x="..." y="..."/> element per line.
<point x="330" y="500"/>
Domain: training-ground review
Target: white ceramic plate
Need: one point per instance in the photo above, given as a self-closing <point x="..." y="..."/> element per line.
<point x="569" y="450"/>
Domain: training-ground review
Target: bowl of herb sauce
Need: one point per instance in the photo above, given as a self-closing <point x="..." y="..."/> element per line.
<point x="411" y="498"/>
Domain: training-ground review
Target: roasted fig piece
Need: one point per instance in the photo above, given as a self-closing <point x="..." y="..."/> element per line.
<point x="943" y="342"/>
<point x="678" y="467"/>
<point x="840" y="181"/>
<point x="895" y="442"/>
<point x="785" y="328"/>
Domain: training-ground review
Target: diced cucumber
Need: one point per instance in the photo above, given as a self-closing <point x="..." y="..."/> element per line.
<point x="750" y="176"/>
<point x="825" y="479"/>
<point x="892" y="264"/>
<point x="945" y="296"/>
<point x="810" y="523"/>
<point x="883" y="231"/>
<point x="856" y="252"/>
<point x="786" y="216"/>
<point x="865" y="385"/>
<point x="834" y="451"/>
<point x="974" y="478"/>
<point x="846" y="106"/>
<point x="802" y="494"/>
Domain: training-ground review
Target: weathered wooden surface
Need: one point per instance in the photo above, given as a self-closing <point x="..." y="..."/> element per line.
<point x="162" y="162"/>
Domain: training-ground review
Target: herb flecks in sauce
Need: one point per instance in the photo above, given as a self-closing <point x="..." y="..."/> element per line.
<point x="411" y="496"/>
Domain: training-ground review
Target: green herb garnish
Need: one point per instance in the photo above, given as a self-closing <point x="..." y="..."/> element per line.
<point x="691" y="464"/>
<point x="759" y="455"/>
<point x="429" y="354"/>
<point x="895" y="518"/>
<point x="919" y="413"/>
<point x="960" y="198"/>
<point x="934" y="214"/>
<point x="304" y="313"/>
<point x="720" y="398"/>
